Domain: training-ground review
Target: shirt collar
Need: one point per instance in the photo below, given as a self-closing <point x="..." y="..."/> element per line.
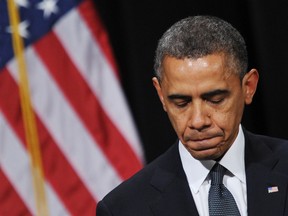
<point x="233" y="160"/>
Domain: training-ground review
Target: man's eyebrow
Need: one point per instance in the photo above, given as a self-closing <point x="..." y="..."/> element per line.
<point x="215" y="92"/>
<point x="204" y="95"/>
<point x="179" y="96"/>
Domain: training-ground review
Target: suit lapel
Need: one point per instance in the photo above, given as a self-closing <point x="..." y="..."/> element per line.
<point x="175" y="197"/>
<point x="261" y="174"/>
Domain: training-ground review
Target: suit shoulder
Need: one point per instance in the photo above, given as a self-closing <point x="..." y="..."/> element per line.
<point x="278" y="146"/>
<point x="138" y="190"/>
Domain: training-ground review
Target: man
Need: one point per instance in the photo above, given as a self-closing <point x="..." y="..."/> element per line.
<point x="203" y="84"/>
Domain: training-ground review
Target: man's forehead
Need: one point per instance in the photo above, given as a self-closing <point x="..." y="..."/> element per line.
<point x="219" y="58"/>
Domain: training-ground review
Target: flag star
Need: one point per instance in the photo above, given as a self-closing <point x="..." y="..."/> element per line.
<point x="22" y="3"/>
<point x="48" y="7"/>
<point x="22" y="29"/>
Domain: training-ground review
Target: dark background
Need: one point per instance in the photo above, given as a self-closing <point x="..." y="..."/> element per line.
<point x="135" y="28"/>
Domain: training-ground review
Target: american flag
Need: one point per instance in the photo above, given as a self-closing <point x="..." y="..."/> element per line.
<point x="87" y="141"/>
<point x="273" y="189"/>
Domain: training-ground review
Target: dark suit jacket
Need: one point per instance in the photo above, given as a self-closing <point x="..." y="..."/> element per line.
<point x="161" y="188"/>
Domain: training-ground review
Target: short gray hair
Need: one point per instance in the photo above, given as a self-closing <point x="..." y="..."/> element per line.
<point x="198" y="36"/>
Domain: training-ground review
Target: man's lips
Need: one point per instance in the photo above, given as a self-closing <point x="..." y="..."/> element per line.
<point x="204" y="143"/>
<point x="202" y="139"/>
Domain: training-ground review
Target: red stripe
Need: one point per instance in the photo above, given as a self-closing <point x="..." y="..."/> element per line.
<point x="79" y="94"/>
<point x="57" y="169"/>
<point x="10" y="202"/>
<point x="93" y="22"/>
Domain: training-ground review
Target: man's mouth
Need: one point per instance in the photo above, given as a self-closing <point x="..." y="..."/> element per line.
<point x="204" y="142"/>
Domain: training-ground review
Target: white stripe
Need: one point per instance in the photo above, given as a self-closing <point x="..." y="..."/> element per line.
<point x="99" y="75"/>
<point x="67" y="129"/>
<point x="14" y="162"/>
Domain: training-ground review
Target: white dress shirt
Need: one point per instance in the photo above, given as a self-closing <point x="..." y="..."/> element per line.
<point x="234" y="179"/>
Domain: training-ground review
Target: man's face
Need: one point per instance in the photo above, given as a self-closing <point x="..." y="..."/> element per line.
<point x="204" y="101"/>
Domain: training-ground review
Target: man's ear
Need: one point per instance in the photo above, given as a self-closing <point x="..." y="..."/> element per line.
<point x="159" y="91"/>
<point x="249" y="85"/>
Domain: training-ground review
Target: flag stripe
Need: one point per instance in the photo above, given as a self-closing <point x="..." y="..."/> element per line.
<point x="19" y="175"/>
<point x="18" y="171"/>
<point x="92" y="20"/>
<point x="10" y="143"/>
<point x="70" y="135"/>
<point x="53" y="173"/>
<point x="78" y="93"/>
<point x="10" y="202"/>
<point x="97" y="72"/>
<point x="89" y="142"/>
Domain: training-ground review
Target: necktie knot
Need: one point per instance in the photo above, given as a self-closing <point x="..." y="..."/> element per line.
<point x="217" y="174"/>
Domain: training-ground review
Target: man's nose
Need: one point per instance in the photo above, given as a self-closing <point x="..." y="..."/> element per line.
<point x="200" y="118"/>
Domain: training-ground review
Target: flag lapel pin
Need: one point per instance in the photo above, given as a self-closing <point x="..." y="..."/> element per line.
<point x="273" y="189"/>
